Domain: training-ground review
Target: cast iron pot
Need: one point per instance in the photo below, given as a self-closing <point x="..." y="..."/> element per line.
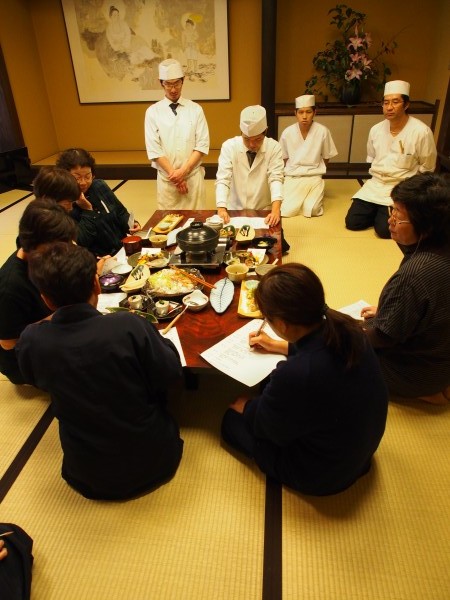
<point x="198" y="238"/>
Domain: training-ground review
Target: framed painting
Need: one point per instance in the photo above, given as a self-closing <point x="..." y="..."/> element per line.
<point x="117" y="45"/>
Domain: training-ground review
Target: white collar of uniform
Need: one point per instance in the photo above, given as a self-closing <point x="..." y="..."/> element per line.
<point x="180" y="100"/>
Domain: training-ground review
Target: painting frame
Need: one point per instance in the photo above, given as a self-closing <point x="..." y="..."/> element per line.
<point x="116" y="48"/>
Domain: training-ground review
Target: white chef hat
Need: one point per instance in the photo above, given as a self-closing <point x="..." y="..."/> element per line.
<point x="397" y="87"/>
<point x="170" y="69"/>
<point x="253" y="120"/>
<point x="305" y="101"/>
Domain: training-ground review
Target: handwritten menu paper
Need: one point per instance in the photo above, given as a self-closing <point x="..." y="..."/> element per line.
<point x="173" y="336"/>
<point x="255" y="222"/>
<point x="354" y="310"/>
<point x="234" y="357"/>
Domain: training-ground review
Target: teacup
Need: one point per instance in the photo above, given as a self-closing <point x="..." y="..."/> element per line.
<point x="136" y="302"/>
<point x="162" y="307"/>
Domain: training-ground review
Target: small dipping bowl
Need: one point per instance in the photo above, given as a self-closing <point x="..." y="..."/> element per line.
<point x="195" y="301"/>
<point x="158" y="241"/>
<point x="132" y="244"/>
<point x="252" y="284"/>
<point x="236" y="273"/>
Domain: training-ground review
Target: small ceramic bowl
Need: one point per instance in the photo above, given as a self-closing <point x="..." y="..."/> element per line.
<point x="195" y="301"/>
<point x="111" y="282"/>
<point x="261" y="270"/>
<point x="162" y="307"/>
<point x="237" y="272"/>
<point x="252" y="284"/>
<point x="158" y="241"/>
<point x="215" y="222"/>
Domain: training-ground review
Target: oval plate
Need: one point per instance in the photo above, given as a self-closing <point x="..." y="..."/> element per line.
<point x="222" y="295"/>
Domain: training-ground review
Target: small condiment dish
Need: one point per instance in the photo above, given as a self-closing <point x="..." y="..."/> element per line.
<point x="195" y="301"/>
<point x="122" y="269"/>
<point x="158" y="241"/>
<point x="237" y="272"/>
<point x="261" y="270"/>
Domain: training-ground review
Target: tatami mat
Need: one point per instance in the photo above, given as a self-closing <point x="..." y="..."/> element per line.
<point x="8" y="198"/>
<point x="199" y="536"/>
<point x="387" y="537"/>
<point x="21" y="409"/>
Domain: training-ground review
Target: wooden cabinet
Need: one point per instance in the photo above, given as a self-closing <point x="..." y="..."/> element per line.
<point x="350" y="126"/>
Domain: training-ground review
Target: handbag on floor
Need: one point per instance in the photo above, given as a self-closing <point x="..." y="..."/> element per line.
<point x="15" y="568"/>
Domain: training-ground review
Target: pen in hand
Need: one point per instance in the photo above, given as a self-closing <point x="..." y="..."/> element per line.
<point x="258" y="332"/>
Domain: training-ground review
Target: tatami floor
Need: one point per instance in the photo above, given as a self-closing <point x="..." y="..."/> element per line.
<point x="218" y="530"/>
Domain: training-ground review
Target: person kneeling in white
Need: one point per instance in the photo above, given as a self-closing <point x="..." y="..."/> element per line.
<point x="307" y="147"/>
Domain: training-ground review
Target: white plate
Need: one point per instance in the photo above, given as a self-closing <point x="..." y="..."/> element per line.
<point x="221" y="295"/>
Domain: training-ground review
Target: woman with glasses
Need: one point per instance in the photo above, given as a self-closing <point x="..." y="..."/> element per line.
<point x="398" y="147"/>
<point x="410" y="328"/>
<point x="81" y="164"/>
<point x="177" y="138"/>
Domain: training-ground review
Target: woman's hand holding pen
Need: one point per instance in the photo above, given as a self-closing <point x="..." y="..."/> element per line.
<point x="259" y="340"/>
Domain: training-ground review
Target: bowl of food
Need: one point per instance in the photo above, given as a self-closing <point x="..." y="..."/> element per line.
<point x="170" y="283"/>
<point x="132" y="244"/>
<point x="266" y="242"/>
<point x="215" y="222"/>
<point x="158" y="241"/>
<point x="236" y="272"/>
<point x="195" y="301"/>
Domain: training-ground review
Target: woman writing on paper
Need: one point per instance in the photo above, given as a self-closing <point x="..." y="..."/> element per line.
<point x="321" y="416"/>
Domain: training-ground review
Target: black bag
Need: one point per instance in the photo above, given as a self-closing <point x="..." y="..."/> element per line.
<point x="15" y="569"/>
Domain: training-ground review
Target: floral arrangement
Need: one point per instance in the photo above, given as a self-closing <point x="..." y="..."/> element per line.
<point x="346" y="62"/>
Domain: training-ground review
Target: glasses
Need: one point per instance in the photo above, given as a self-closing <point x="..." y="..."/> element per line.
<point x="87" y="177"/>
<point x="394" y="103"/>
<point x="172" y="84"/>
<point x="391" y="211"/>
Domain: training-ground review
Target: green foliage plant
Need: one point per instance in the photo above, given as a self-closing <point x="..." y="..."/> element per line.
<point x="346" y="61"/>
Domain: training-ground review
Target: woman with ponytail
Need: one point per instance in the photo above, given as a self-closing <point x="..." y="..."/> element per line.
<point x="317" y="423"/>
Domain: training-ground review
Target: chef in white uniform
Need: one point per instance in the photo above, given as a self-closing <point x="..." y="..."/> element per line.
<point x="398" y="148"/>
<point x="177" y="138"/>
<point x="250" y="171"/>
<point x="307" y="147"/>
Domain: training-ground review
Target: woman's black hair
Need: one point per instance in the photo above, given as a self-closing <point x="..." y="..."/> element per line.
<point x="75" y="157"/>
<point x="295" y="294"/>
<point x="42" y="222"/>
<point x="56" y="184"/>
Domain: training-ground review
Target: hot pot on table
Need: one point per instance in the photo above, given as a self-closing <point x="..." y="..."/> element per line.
<point x="197" y="238"/>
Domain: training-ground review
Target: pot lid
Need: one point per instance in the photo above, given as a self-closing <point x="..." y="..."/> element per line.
<point x="197" y="234"/>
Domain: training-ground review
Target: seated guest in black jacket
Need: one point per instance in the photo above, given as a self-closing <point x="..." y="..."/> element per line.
<point x="81" y="164"/>
<point x="99" y="232"/>
<point x="321" y="416"/>
<point x="42" y="222"/>
<point x="107" y="376"/>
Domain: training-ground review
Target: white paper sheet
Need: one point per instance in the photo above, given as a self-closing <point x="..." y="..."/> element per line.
<point x="354" y="310"/>
<point x="234" y="357"/>
<point x="118" y="259"/>
<point x="105" y="300"/>
<point x="173" y="336"/>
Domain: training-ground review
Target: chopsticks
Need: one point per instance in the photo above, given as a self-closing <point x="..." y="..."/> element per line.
<point x="172" y="323"/>
<point x="193" y="277"/>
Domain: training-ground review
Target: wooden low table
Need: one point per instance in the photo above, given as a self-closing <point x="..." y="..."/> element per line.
<point x="199" y="331"/>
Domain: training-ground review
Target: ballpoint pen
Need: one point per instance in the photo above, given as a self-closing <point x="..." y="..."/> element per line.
<point x="258" y="332"/>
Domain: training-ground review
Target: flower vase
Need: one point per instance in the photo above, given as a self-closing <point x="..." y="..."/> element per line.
<point x="351" y="92"/>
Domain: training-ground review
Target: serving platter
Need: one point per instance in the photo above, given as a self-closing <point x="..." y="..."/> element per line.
<point x="154" y="258"/>
<point x="247" y="306"/>
<point x="168" y="223"/>
<point x="170" y="283"/>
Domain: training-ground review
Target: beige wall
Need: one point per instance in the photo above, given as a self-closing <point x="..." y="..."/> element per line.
<point x="34" y="43"/>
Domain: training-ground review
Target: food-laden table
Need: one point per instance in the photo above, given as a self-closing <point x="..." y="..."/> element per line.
<point x="201" y="330"/>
